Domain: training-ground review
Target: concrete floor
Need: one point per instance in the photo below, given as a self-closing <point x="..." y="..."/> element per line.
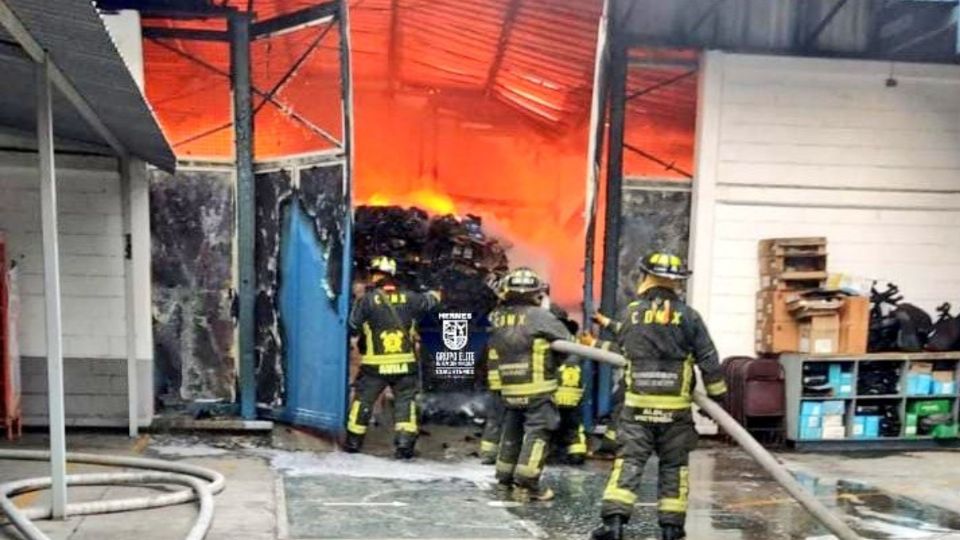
<point x="290" y="486"/>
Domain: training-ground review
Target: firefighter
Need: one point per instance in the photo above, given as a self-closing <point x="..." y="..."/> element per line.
<point x="493" y="422"/>
<point x="570" y="435"/>
<point x="519" y="351"/>
<point x="663" y="339"/>
<point x="385" y="319"/>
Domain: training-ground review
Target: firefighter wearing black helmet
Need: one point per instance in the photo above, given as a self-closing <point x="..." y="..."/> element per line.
<point x="663" y="339"/>
<point x="385" y="319"/>
<point x="519" y="353"/>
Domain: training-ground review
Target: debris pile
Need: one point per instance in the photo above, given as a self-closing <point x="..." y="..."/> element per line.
<point x="445" y="253"/>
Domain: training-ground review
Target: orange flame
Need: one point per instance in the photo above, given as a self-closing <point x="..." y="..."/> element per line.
<point x="425" y="199"/>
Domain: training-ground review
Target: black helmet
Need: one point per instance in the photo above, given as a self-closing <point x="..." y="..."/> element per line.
<point x="521" y="281"/>
<point x="666" y="265"/>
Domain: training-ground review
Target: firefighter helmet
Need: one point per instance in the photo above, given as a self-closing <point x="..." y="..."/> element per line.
<point x="383" y="264"/>
<point x="665" y="265"/>
<point x="520" y="282"/>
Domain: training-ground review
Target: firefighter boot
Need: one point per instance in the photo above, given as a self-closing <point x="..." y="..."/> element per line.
<point x="538" y="494"/>
<point x="612" y="528"/>
<point x="672" y="532"/>
<point x="353" y="443"/>
<point x="404" y="447"/>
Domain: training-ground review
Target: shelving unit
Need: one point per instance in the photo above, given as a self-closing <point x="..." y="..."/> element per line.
<point x="793" y="365"/>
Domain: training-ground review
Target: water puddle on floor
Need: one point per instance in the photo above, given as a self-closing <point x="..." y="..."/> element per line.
<point x="355" y="496"/>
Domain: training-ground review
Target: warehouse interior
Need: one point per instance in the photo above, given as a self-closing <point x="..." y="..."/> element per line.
<point x="209" y="181"/>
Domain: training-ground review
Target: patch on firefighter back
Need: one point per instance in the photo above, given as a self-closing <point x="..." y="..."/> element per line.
<point x="456" y="330"/>
<point x="655" y="379"/>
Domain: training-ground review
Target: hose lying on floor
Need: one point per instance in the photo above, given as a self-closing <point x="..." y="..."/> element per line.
<point x="203" y="483"/>
<point x="743" y="438"/>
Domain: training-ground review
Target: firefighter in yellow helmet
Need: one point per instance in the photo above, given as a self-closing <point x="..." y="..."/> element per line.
<point x="570" y="437"/>
<point x="385" y="319"/>
<point x="663" y="339"/>
<point x="519" y="351"/>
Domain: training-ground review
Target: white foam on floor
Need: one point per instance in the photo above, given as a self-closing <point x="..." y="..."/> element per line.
<point x="366" y="466"/>
<point x="187" y="451"/>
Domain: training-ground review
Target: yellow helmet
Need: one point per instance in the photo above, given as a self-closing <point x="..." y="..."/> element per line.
<point x="521" y="281"/>
<point x="383" y="264"/>
<point x="666" y="265"/>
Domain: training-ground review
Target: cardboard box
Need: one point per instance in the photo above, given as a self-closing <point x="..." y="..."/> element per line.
<point x="854" y="325"/>
<point x="820" y="335"/>
<point x="834" y="407"/>
<point x="810" y="421"/>
<point x="858" y="429"/>
<point x="919" y="384"/>
<point x="943" y="383"/>
<point x="846" y="385"/>
<point x="810" y="433"/>
<point x="910" y="425"/>
<point x="811" y="408"/>
<point x="834" y="432"/>
<point x="832" y="420"/>
<point x="928" y="407"/>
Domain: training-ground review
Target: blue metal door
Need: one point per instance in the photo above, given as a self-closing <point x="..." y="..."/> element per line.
<point x="313" y="322"/>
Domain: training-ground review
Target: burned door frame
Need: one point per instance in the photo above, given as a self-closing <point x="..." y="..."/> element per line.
<point x="273" y="396"/>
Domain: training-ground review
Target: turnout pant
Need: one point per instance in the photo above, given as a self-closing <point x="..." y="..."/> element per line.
<point x="525" y="441"/>
<point x="367" y="388"/>
<point x="672" y="442"/>
<point x="492" y="426"/>
<point x="570" y="436"/>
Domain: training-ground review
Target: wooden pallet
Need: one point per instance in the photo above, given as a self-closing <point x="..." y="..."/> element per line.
<point x="793" y="247"/>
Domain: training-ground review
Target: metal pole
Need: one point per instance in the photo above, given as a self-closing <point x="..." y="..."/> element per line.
<point x="346" y="86"/>
<point x="614" y="198"/>
<point x="743" y="438"/>
<point x="239" y="29"/>
<point x="126" y="203"/>
<point x="594" y="153"/>
<point x="51" y="291"/>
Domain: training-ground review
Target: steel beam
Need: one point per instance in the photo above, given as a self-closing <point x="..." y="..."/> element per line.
<point x="594" y="158"/>
<point x="822" y="25"/>
<point x="346" y="89"/>
<point x="51" y="290"/>
<point x="192" y="34"/>
<point x="614" y="199"/>
<point x="239" y="27"/>
<point x="294" y="21"/>
<point x="19" y="32"/>
<point x="509" y="20"/>
<point x="666" y="164"/>
<point x="661" y="84"/>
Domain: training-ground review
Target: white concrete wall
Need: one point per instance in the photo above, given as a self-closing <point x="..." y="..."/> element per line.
<point x="92" y="283"/>
<point x="817" y="147"/>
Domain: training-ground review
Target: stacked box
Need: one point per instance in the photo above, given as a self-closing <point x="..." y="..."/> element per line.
<point x="944" y="383"/>
<point x="822" y="420"/>
<point x="920" y="379"/>
<point x="865" y="427"/>
<point x="786" y="265"/>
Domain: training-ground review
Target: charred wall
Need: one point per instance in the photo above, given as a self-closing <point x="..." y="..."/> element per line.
<point x="192" y="228"/>
<point x="654" y="216"/>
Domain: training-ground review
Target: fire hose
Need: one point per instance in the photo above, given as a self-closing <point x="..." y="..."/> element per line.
<point x="203" y="483"/>
<point x="760" y="454"/>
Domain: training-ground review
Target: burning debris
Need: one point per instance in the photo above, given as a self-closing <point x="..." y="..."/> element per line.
<point x="445" y="252"/>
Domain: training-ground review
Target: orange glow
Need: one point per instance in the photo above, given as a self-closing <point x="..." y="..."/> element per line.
<point x="442" y="121"/>
<point x="430" y="201"/>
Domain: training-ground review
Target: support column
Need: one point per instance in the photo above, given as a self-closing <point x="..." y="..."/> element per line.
<point x="132" y="172"/>
<point x="239" y="29"/>
<point x="346" y="87"/>
<point x="614" y="199"/>
<point x="706" y="150"/>
<point x="51" y="290"/>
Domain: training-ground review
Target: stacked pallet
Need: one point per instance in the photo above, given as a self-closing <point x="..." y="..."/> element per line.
<point x="788" y="267"/>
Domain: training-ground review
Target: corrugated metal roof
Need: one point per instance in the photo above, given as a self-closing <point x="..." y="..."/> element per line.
<point x="74" y="35"/>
